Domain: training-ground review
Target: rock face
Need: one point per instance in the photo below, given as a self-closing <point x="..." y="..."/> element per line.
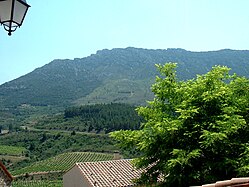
<point x="117" y="75"/>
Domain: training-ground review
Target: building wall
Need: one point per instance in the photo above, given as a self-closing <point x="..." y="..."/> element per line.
<point x="74" y="178"/>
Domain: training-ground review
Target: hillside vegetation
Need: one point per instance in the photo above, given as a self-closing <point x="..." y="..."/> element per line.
<point x="93" y="118"/>
<point x="117" y="75"/>
<point x="11" y="150"/>
<point x="70" y="105"/>
<point x="109" y="76"/>
<point x="37" y="183"/>
<point x="49" y="172"/>
<point x="62" y="162"/>
<point x="43" y="145"/>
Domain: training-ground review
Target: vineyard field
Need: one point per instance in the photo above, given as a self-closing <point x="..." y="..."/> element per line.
<point x="37" y="183"/>
<point x="62" y="162"/>
<point x="11" y="150"/>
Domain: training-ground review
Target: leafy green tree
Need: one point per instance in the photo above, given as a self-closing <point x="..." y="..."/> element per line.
<point x="196" y="131"/>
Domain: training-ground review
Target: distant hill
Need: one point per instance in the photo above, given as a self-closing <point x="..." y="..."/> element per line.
<point x="117" y="75"/>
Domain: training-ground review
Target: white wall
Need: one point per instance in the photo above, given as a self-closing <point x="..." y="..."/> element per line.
<point x="74" y="178"/>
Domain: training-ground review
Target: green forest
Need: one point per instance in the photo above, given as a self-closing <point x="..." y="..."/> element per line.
<point x="94" y="118"/>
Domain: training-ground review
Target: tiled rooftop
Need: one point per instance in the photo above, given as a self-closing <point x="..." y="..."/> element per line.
<point x="234" y="182"/>
<point x="109" y="173"/>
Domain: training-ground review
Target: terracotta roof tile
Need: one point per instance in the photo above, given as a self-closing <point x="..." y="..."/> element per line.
<point x="109" y="173"/>
<point x="234" y="182"/>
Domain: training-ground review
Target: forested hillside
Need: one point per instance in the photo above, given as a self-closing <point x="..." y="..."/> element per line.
<point x="93" y="118"/>
<point x="117" y="75"/>
<point x="37" y="145"/>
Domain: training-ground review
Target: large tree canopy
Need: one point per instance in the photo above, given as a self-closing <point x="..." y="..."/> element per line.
<point x="196" y="131"/>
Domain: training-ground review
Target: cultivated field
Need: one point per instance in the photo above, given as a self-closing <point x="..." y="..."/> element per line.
<point x="62" y="162"/>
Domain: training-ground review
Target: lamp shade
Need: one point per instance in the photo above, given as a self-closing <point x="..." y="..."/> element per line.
<point x="12" y="13"/>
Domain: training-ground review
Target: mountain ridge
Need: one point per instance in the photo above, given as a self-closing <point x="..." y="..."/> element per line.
<point x="115" y="75"/>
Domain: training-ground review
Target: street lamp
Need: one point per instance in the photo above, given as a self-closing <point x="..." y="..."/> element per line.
<point x="12" y="13"/>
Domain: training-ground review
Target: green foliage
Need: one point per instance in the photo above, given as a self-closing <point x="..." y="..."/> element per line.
<point x="196" y="131"/>
<point x="93" y="118"/>
<point x="110" y="76"/>
<point x="11" y="150"/>
<point x="62" y="162"/>
<point x="24" y="115"/>
<point x="107" y="117"/>
<point x="117" y="75"/>
<point x="37" y="183"/>
<point x="42" y="145"/>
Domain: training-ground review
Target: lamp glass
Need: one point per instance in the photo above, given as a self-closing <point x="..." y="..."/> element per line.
<point x="5" y="10"/>
<point x="20" y="10"/>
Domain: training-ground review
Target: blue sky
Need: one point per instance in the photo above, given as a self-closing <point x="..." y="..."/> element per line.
<point x="55" y="29"/>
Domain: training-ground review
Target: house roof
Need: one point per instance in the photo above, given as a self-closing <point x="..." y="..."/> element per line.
<point x="234" y="182"/>
<point x="5" y="171"/>
<point x="109" y="173"/>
